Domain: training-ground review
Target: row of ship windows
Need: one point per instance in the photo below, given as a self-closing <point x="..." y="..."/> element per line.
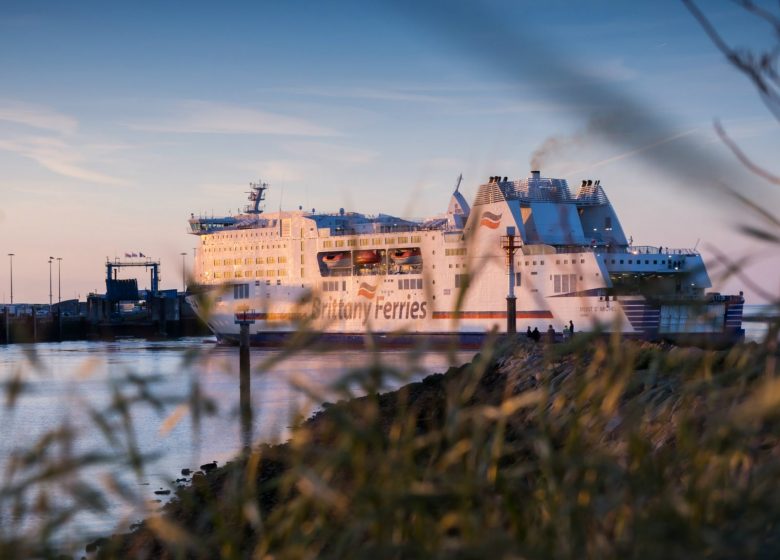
<point x="410" y="284"/>
<point x="333" y="285"/>
<point x="669" y="264"/>
<point x="561" y="282"/>
<point x="249" y="274"/>
<point x="244" y="248"/>
<point x="330" y="243"/>
<point x="557" y="261"/>
<point x="258" y="260"/>
<point x="270" y="233"/>
<point x="405" y="284"/>
<point x="456" y="252"/>
<point x="564" y="283"/>
<point x="241" y="291"/>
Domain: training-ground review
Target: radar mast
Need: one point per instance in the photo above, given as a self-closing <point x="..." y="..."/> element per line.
<point x="256" y="196"/>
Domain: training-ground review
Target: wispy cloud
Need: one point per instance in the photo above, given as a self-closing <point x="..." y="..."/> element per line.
<point x="636" y="151"/>
<point x="441" y="166"/>
<point x="58" y="156"/>
<point x="361" y="92"/>
<point x="615" y="70"/>
<point x="204" y="117"/>
<point x="502" y="107"/>
<point x="332" y="153"/>
<point x="36" y="116"/>
<point x="281" y="171"/>
<point x="743" y="129"/>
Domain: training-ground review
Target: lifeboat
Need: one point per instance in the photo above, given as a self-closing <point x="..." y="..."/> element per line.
<point x="406" y="256"/>
<point x="337" y="260"/>
<point x="367" y="257"/>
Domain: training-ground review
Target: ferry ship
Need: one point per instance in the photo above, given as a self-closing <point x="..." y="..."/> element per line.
<point x="346" y="274"/>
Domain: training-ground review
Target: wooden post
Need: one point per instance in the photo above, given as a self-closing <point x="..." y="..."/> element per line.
<point x="511" y="315"/>
<point x="245" y="382"/>
<point x="508" y="244"/>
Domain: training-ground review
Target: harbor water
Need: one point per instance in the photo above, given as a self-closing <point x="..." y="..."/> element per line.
<point x="81" y="384"/>
<point x="66" y="384"/>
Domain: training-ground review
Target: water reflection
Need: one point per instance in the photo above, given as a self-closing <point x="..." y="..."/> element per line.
<point x="63" y="381"/>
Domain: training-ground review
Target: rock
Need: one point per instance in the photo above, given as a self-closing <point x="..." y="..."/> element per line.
<point x="186" y="472"/>
<point x="162" y="492"/>
<point x="208" y="467"/>
<point x="94" y="545"/>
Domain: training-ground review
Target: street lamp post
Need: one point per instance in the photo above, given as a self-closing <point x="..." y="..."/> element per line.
<point x="51" y="259"/>
<point x="11" y="258"/>
<point x="183" y="281"/>
<point x="59" y="279"/>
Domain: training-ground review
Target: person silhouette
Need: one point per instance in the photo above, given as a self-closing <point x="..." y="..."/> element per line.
<point x="571" y="327"/>
<point x="536" y="335"/>
<point x="528" y="333"/>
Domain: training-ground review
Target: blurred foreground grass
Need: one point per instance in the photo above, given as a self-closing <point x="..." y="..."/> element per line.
<point x="600" y="448"/>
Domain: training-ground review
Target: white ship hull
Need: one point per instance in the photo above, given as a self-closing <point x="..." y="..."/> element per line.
<point x="342" y="274"/>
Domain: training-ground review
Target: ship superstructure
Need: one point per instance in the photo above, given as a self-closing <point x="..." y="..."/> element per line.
<point x="347" y="273"/>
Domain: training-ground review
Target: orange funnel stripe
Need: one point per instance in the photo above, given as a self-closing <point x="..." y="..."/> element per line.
<point x="490" y="220"/>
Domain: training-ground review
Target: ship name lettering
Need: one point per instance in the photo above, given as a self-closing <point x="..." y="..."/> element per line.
<point x="334" y="309"/>
<point x="390" y="310"/>
<point x="340" y="309"/>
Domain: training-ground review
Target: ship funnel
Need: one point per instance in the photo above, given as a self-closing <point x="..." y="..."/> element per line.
<point x="590" y="182"/>
<point x="536" y="174"/>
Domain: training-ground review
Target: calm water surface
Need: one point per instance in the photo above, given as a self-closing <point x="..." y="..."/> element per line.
<point x="64" y="381"/>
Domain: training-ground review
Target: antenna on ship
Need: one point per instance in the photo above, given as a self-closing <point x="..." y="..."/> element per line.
<point x="256" y="196"/>
<point x="457" y="184"/>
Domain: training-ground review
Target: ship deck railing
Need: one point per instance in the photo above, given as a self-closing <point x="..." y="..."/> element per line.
<point x="380" y="230"/>
<point x="609" y="249"/>
<point x="653" y="250"/>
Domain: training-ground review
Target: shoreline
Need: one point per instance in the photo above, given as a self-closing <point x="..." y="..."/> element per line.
<point x="513" y="387"/>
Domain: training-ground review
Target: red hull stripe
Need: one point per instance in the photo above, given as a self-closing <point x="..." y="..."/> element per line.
<point x="259" y="316"/>
<point x="491" y="315"/>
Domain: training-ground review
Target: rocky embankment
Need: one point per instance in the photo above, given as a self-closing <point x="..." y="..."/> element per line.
<point x="594" y="448"/>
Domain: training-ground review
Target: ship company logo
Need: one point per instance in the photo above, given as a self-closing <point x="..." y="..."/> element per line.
<point x="490" y="220"/>
<point x="367" y="290"/>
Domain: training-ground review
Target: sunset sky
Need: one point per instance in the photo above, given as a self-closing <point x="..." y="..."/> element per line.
<point x="119" y="120"/>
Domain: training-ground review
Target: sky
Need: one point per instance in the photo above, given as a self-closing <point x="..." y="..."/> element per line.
<point x="118" y="120"/>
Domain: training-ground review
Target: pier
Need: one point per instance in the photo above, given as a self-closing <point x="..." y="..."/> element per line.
<point x="122" y="311"/>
